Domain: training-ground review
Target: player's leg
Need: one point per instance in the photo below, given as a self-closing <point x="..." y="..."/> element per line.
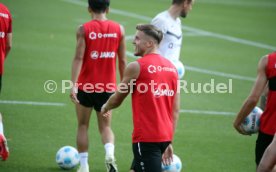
<point x="83" y="115"/>
<point x="107" y="135"/>
<point x="147" y="157"/>
<point x="132" y="167"/>
<point x="268" y="161"/>
<point x="4" y="150"/>
<point x="262" y="143"/>
<point x="83" y="110"/>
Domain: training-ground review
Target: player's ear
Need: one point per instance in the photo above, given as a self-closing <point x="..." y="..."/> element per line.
<point x="107" y="10"/>
<point x="150" y="43"/>
<point x="89" y="10"/>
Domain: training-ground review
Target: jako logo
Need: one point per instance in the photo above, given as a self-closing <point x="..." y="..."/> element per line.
<point x="163" y="92"/>
<point x="107" y="55"/>
<point x="2" y="34"/>
<point x="94" y="54"/>
<point x="151" y="69"/>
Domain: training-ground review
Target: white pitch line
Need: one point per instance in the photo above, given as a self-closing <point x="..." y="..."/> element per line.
<point x="206" y="112"/>
<point x="16" y="102"/>
<point x="216" y="35"/>
<point x="205" y="71"/>
<point x="241" y="3"/>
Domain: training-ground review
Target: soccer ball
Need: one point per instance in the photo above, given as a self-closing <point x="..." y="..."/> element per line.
<point x="67" y="157"/>
<point x="175" y="166"/>
<point x="251" y="123"/>
<point x="180" y="68"/>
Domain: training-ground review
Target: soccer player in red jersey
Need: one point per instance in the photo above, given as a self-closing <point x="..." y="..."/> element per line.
<point x="99" y="43"/>
<point x="5" y="47"/>
<point x="266" y="76"/>
<point x="5" y="37"/>
<point x="152" y="80"/>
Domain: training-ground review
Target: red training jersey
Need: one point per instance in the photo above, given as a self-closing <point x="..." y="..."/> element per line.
<point x="268" y="118"/>
<point x="98" y="72"/>
<point x="5" y="28"/>
<point x="153" y="98"/>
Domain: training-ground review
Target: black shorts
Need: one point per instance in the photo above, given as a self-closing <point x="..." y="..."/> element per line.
<point x="91" y="100"/>
<point x="262" y="143"/>
<point x="148" y="156"/>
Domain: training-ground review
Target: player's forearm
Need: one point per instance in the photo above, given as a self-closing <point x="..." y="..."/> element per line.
<point x="115" y="100"/>
<point x="8" y="49"/>
<point x="76" y="67"/>
<point x="247" y="107"/>
<point x="122" y="66"/>
<point x="8" y="44"/>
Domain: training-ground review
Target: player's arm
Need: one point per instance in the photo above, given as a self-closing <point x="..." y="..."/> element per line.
<point x="254" y="96"/>
<point x="9" y="38"/>
<point x="264" y="98"/>
<point x="131" y="73"/>
<point x="8" y="44"/>
<point x="167" y="156"/>
<point x="122" y="54"/>
<point x="176" y="107"/>
<point x="268" y="160"/>
<point x="77" y="61"/>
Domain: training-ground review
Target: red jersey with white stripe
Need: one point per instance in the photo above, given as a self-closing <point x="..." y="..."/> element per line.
<point x="268" y="118"/>
<point x="152" y="100"/>
<point x="98" y="72"/>
<point x="5" y="28"/>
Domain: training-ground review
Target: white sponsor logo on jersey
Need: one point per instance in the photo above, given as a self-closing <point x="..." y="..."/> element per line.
<point x="151" y="69"/>
<point x="94" y="54"/>
<point x="2" y="34"/>
<point x="154" y="69"/>
<point x="93" y="35"/>
<point x="107" y="54"/>
<point x="4" y="15"/>
<point x="163" y="92"/>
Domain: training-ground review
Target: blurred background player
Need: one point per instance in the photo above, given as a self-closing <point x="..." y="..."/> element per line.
<point x="5" y="47"/>
<point x="268" y="161"/>
<point x="155" y="111"/>
<point x="99" y="43"/>
<point x="266" y="75"/>
<point x="170" y="24"/>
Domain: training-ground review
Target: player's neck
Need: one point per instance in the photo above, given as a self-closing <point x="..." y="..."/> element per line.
<point x="174" y="11"/>
<point x="99" y="16"/>
<point x="150" y="51"/>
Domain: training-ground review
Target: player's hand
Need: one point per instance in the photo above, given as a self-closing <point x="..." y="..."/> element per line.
<point x="73" y="96"/>
<point x="167" y="156"/>
<point x="104" y="111"/>
<point x="240" y="129"/>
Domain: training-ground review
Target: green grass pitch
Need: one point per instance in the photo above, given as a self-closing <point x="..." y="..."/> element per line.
<point x="222" y="40"/>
